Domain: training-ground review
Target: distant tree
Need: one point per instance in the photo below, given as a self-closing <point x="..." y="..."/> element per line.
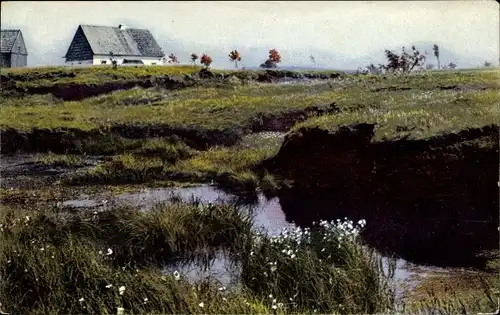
<point x="273" y="59"/>
<point x="405" y="62"/>
<point x="429" y="66"/>
<point x="206" y="60"/>
<point x="234" y="56"/>
<point x="436" y="54"/>
<point x="487" y="64"/>
<point x="274" y="56"/>
<point x="194" y="57"/>
<point x="172" y="58"/>
<point x="452" y="65"/>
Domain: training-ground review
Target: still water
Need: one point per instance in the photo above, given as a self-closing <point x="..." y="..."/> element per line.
<point x="267" y="214"/>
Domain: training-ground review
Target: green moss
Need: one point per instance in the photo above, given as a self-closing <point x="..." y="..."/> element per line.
<point x="417" y="115"/>
<point x="65" y="160"/>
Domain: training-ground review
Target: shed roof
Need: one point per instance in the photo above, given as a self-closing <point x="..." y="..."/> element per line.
<point x="8" y="40"/>
<point x="122" y="42"/>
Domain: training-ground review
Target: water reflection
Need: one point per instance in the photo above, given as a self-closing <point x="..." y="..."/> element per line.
<point x="267" y="214"/>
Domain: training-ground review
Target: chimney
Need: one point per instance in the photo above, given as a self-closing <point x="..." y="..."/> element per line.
<point x="121" y="26"/>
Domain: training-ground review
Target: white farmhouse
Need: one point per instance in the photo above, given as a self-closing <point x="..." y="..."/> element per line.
<point x="95" y="45"/>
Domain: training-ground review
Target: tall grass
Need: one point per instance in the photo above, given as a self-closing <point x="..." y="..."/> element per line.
<point x="108" y="261"/>
<point x="53" y="261"/>
<point x="324" y="269"/>
<point x="49" y="258"/>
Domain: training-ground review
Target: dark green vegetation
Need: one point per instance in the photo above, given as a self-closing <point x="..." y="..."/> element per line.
<point x="52" y="261"/>
<point x="415" y="155"/>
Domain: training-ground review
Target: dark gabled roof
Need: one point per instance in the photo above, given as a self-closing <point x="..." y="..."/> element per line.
<point x="122" y="42"/>
<point x="8" y="40"/>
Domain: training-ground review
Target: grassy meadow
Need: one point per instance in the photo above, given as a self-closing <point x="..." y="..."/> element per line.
<point x="415" y="106"/>
<point x="358" y="97"/>
<point x="111" y="259"/>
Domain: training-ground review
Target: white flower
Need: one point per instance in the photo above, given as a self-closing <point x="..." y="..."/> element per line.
<point x="224" y="299"/>
<point x="109" y="286"/>
<point x="110" y="251"/>
<point x="146" y="299"/>
<point x="100" y="252"/>
<point x="270" y="296"/>
<point x="81" y="300"/>
<point x="274" y="307"/>
<point x="27" y="218"/>
<point x="120" y="310"/>
<point x="121" y="289"/>
<point x="274" y="301"/>
<point x="42" y="249"/>
<point x="202" y="305"/>
<point x="222" y="288"/>
<point x="280" y="304"/>
<point x="177" y="276"/>
<point x="292" y="256"/>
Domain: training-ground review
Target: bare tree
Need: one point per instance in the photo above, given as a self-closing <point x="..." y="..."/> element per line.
<point x="405" y="62"/>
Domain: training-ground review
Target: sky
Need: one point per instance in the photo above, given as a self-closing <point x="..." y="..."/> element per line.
<point x="338" y="34"/>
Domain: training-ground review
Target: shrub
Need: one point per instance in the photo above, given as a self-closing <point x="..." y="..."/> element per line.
<point x="206" y="60"/>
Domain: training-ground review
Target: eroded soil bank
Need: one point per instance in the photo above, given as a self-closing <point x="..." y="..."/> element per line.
<point x="101" y="141"/>
<point x="73" y="91"/>
<point x="432" y="201"/>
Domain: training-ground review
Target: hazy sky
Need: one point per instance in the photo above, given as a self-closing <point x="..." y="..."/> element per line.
<point x="353" y="29"/>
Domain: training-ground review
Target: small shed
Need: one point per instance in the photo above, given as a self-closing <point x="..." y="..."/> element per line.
<point x="13" y="49"/>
